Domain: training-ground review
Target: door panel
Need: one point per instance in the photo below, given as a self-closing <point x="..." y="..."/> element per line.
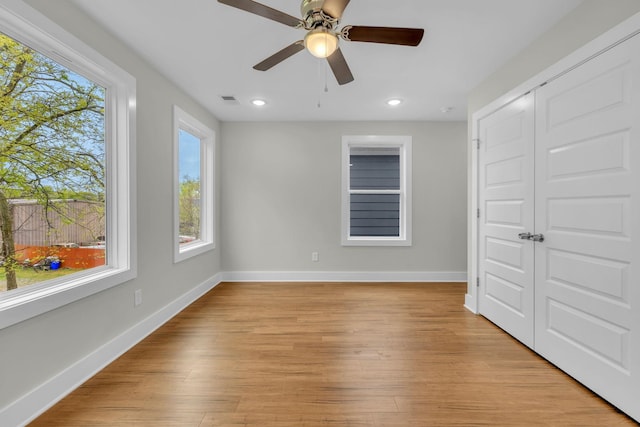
<point x="601" y="276"/>
<point x="587" y="283"/>
<point x="506" y="158"/>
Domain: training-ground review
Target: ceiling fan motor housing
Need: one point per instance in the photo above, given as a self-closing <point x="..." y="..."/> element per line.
<point x="309" y="6"/>
<point x="313" y="16"/>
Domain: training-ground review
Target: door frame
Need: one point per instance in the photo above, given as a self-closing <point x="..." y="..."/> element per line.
<point x="611" y="38"/>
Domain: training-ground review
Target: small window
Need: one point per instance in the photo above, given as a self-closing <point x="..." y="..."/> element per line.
<point x="194" y="194"/>
<point x="376" y="208"/>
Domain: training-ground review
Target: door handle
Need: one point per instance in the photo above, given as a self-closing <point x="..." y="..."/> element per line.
<point x="529" y="236"/>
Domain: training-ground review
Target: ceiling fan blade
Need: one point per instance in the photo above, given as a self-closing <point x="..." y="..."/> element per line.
<point x="334" y="8"/>
<point x="340" y="67"/>
<point x="280" y="56"/>
<point x="264" y="11"/>
<point x="387" y="35"/>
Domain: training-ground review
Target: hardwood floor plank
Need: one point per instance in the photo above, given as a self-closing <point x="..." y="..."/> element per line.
<point x="331" y="354"/>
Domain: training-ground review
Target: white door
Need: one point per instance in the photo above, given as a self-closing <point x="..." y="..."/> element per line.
<point x="588" y="208"/>
<point x="506" y="160"/>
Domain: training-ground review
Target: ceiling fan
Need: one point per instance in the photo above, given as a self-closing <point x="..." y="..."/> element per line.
<point x="320" y="18"/>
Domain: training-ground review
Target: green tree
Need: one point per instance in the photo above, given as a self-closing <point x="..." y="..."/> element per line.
<point x="189" y="200"/>
<point x="51" y="136"/>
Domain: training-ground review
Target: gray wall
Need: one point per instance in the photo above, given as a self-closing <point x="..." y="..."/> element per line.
<point x="35" y="350"/>
<point x="589" y="20"/>
<point x="281" y="198"/>
<point x="586" y="22"/>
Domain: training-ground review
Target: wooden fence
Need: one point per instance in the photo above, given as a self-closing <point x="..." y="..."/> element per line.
<point x="72" y="221"/>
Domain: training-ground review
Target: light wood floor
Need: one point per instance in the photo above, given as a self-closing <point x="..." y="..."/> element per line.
<point x="292" y="355"/>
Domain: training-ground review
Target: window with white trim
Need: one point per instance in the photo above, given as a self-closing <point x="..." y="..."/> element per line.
<point x="194" y="220"/>
<point x="376" y="190"/>
<point x="102" y="139"/>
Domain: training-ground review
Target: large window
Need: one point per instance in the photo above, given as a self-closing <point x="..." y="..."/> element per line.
<point x="376" y="208"/>
<point x="194" y="221"/>
<point x="66" y="144"/>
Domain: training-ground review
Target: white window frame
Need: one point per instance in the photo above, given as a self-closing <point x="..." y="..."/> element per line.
<point x="184" y="121"/>
<point x="30" y="27"/>
<point x="402" y="142"/>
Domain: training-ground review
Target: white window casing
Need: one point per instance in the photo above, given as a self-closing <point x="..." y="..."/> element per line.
<point x="28" y="26"/>
<point x="206" y="240"/>
<point x="378" y="191"/>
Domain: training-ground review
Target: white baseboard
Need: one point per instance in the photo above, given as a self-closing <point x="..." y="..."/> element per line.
<point x="34" y="403"/>
<point x="345" y="276"/>
<point x="470" y="303"/>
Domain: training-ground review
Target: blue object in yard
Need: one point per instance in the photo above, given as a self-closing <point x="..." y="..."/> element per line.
<point x="54" y="265"/>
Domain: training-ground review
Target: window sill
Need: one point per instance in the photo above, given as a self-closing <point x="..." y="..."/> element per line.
<point x="192" y="249"/>
<point x="23" y="304"/>
<point x="375" y="241"/>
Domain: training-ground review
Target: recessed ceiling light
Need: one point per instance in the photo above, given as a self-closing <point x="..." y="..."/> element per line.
<point x="446" y="109"/>
<point x="394" y="102"/>
<point x="259" y="102"/>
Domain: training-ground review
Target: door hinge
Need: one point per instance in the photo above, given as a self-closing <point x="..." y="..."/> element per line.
<point x="477" y="282"/>
<point x="478" y="213"/>
<point x="477" y="143"/>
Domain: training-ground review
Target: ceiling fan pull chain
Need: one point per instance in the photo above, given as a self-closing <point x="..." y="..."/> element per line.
<point x="326" y="89"/>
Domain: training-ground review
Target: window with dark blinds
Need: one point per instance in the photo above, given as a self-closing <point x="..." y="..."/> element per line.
<point x="376" y="189"/>
<point x="375" y="198"/>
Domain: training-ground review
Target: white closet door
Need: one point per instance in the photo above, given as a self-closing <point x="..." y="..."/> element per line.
<point x="506" y="160"/>
<point x="588" y="208"/>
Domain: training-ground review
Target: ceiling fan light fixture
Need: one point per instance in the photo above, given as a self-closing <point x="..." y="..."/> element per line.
<point x="321" y="42"/>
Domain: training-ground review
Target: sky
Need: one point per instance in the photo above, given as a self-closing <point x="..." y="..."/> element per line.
<point x="188" y="156"/>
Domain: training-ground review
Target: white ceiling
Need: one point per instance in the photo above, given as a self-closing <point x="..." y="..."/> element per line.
<point x="209" y="49"/>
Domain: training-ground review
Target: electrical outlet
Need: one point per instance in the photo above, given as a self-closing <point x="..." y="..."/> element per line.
<point x="137" y="297"/>
<point x="315" y="257"/>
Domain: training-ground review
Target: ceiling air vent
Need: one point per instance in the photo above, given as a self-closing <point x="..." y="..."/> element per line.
<point x="229" y="100"/>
